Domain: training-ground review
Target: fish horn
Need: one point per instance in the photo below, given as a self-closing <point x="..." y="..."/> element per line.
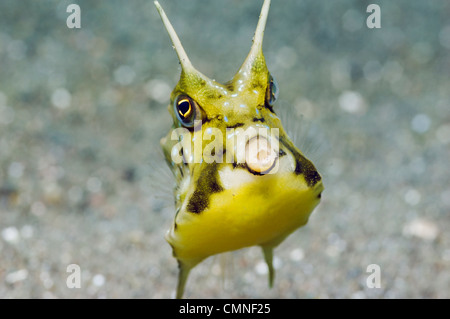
<point x="182" y="56"/>
<point x="256" y="49"/>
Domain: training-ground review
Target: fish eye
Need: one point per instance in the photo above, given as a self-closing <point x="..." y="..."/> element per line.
<point x="185" y="110"/>
<point x="272" y="91"/>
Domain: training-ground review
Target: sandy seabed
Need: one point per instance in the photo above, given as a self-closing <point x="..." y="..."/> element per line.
<point x="82" y="180"/>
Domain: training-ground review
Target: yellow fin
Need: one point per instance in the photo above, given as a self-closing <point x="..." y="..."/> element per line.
<point x="268" y="257"/>
<point x="183" y="274"/>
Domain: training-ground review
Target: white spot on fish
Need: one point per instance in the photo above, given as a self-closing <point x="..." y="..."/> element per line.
<point x="174" y="152"/>
<point x="234" y="178"/>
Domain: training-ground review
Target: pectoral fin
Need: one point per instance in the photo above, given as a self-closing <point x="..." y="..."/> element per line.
<point x="183" y="273"/>
<point x="268" y="257"/>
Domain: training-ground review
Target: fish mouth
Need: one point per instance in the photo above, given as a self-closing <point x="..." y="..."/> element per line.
<point x="318" y="189"/>
<point x="260" y="157"/>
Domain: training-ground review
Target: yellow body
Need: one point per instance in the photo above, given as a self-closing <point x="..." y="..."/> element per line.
<point x="259" y="213"/>
<point x="227" y="204"/>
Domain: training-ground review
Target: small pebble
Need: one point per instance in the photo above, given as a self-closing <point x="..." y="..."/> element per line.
<point x="421" y="228"/>
<point x="38" y="209"/>
<point x="158" y="90"/>
<point x="61" y="98"/>
<point x="53" y="193"/>
<point x="261" y="268"/>
<point x="124" y="75"/>
<point x="277" y="262"/>
<point x="297" y="254"/>
<point x="412" y="197"/>
<point x="352" y="102"/>
<point x="11" y="235"/>
<point x="46" y="280"/>
<point x="98" y="280"/>
<point x="358" y="295"/>
<point x="16" y="276"/>
<point x="421" y="123"/>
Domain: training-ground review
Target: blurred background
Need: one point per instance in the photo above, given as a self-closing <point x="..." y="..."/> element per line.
<point x="82" y="180"/>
